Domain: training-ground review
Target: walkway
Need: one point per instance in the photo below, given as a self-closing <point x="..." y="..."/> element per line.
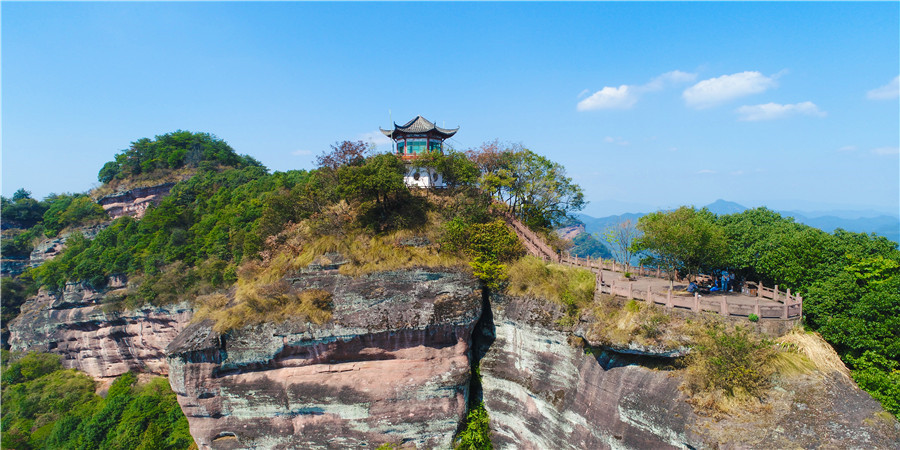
<point x="652" y="284"/>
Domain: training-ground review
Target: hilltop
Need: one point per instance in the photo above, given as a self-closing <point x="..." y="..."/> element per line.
<point x="305" y="290"/>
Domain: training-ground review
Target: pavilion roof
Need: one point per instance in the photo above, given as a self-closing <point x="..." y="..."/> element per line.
<point x="419" y="125"/>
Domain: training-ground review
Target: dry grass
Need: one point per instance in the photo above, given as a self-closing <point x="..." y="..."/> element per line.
<point x="268" y="303"/>
<point x="530" y="276"/>
<point x="810" y="351"/>
<point x="363" y="251"/>
<point x="637" y="323"/>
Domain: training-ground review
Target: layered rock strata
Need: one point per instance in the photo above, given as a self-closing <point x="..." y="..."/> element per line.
<point x="134" y="202"/>
<point x="103" y="344"/>
<point x="392" y="365"/>
<point x="543" y="389"/>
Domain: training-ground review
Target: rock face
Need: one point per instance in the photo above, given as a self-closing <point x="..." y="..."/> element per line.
<point x="541" y="391"/>
<point x="393" y="366"/>
<point x="135" y="201"/>
<point x="102" y="344"/>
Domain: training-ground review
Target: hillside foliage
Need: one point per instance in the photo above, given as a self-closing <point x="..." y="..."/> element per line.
<point x="46" y="406"/>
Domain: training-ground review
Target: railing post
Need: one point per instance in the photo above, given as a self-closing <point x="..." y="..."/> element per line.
<point x="784" y="313"/>
<point x="788" y="295"/>
<point x="630" y="289"/>
<point x="657" y="271"/>
<point x="723" y="306"/>
<point x="669" y="299"/>
<point x="649" y="295"/>
<point x="696" y="307"/>
<point x="775" y="294"/>
<point x="759" y="287"/>
<point x="756" y="307"/>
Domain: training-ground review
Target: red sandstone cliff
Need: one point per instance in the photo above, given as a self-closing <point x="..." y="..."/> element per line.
<point x="392" y="366"/>
<point x="102" y="344"/>
<point x="134" y="202"/>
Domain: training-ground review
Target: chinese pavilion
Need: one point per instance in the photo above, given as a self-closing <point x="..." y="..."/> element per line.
<point x="414" y="138"/>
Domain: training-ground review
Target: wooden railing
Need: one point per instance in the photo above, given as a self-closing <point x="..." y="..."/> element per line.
<point x="790" y="307"/>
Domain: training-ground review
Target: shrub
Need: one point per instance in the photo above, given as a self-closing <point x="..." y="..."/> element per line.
<point x="477" y="434"/>
<point x="731" y="361"/>
<point x="753" y="317"/>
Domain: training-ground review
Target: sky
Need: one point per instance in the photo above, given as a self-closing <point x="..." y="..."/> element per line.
<point x="647" y="105"/>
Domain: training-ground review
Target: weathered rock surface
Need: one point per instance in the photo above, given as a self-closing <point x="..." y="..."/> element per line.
<point x="393" y="365"/>
<point x="134" y="202"/>
<point x="102" y="344"/>
<point x="542" y="390"/>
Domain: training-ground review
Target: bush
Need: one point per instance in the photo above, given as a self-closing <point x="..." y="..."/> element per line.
<point x="753" y="317"/>
<point x="477" y="434"/>
<point x="488" y="244"/>
<point x="731" y="361"/>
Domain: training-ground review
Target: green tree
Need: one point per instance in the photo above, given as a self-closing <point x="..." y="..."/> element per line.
<point x="534" y="188"/>
<point x="684" y="239"/>
<point x="454" y="166"/>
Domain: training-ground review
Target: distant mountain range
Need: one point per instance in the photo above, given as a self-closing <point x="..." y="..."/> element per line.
<point x="857" y="221"/>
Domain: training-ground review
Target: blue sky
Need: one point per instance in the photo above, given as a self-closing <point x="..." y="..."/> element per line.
<point x="648" y="105"/>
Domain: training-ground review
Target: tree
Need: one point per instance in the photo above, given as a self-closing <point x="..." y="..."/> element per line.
<point x="534" y="188"/>
<point x="621" y="239"/>
<point x="346" y="153"/>
<point x="21" y="194"/>
<point x="685" y="239"/>
<point x="454" y="166"/>
<point x="380" y="180"/>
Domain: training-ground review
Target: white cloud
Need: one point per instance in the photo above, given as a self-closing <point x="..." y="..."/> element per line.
<point x="772" y="111"/>
<point x="705" y="171"/>
<point x="622" y="97"/>
<point x="301" y="152"/>
<point x="847" y="148"/>
<point x="669" y="78"/>
<point x="886" y="151"/>
<point x="886" y="92"/>
<point x="714" y="91"/>
<point x="626" y="95"/>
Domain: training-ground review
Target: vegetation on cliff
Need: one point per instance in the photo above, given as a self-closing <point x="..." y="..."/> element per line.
<point x="168" y="158"/>
<point x="850" y="282"/>
<point x="45" y="406"/>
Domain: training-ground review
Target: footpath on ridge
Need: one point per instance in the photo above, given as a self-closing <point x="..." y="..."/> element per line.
<point x="648" y="284"/>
